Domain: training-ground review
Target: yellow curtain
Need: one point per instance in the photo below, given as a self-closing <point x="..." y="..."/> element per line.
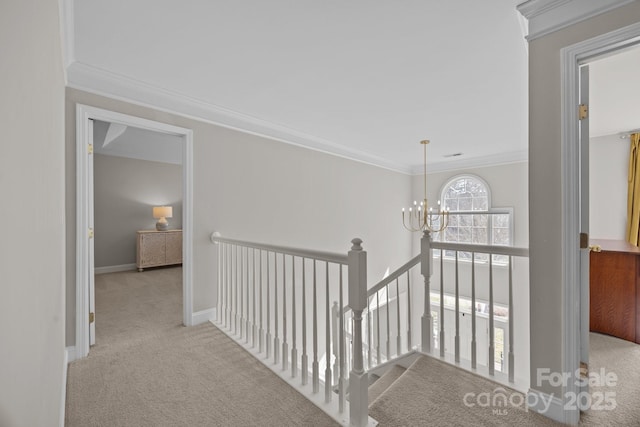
<point x="633" y="195"/>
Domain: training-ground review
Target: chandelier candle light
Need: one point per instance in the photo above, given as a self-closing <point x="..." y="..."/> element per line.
<point x="421" y="217"/>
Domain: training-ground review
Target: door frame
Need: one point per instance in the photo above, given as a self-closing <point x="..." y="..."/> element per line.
<point x="85" y="114"/>
<point x="572" y="57"/>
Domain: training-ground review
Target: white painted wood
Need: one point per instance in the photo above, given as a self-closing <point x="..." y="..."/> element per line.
<point x="571" y="58"/>
<point x="584" y="226"/>
<point x="425" y="269"/>
<point x="315" y="377"/>
<point x="328" y="386"/>
<point x="441" y="319"/>
<point x="114" y="268"/>
<point x="457" y="311"/>
<point x="492" y="332"/>
<point x="409" y="331"/>
<point x="285" y="344"/>
<point x="294" y="321"/>
<point x="84" y="116"/>
<point x="512" y="315"/>
<point x="474" y="343"/>
<point x="304" y="369"/>
<point x="547" y="16"/>
<point x="547" y="405"/>
<point x="63" y="392"/>
<point x="203" y="316"/>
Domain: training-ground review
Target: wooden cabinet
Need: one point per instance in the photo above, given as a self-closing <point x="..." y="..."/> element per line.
<point x="614" y="297"/>
<point x="158" y="248"/>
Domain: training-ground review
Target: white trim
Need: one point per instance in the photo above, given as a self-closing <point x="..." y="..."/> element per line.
<point x="67" y="34"/>
<point x="203" y="316"/>
<point x="102" y="82"/>
<point x="548" y="16"/>
<point x="571" y="58"/>
<point x="546" y="404"/>
<point x="71" y="353"/>
<point x="475" y="162"/>
<point x="63" y="393"/>
<point x="84" y="114"/>
<point x="114" y="268"/>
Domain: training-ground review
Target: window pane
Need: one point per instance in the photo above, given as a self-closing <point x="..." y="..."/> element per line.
<point x="465" y="203"/>
<point x="480" y="220"/>
<point x="501" y="236"/>
<point x="480" y="204"/>
<point x="465" y="220"/>
<point x="480" y="236"/>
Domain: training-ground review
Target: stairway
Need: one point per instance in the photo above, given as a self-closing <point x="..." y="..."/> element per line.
<point x="432" y="392"/>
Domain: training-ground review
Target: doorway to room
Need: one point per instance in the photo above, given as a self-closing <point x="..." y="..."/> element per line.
<point x="89" y="121"/>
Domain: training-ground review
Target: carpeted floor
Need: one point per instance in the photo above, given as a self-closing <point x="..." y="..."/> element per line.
<point x="148" y="370"/>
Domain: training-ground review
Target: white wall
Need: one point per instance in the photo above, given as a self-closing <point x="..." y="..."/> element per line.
<point x="125" y="190"/>
<point x="257" y="189"/>
<point x="545" y="178"/>
<point x="608" y="169"/>
<point x="32" y="361"/>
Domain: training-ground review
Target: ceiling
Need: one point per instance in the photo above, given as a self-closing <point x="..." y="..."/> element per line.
<point x="369" y="79"/>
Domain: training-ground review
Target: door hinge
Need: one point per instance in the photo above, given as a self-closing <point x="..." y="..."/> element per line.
<point x="91" y="233"/>
<point x="584" y="370"/>
<point x="584" y="240"/>
<point x="90" y="149"/>
<point x="92" y="317"/>
<point x="583" y="111"/>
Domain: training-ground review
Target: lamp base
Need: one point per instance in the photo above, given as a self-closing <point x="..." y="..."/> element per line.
<point x="162" y="226"/>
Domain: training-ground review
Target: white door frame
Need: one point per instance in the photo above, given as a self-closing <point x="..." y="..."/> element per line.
<point x="84" y="116"/>
<point x="571" y="58"/>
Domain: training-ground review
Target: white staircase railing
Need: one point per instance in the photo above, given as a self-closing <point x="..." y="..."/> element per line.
<point x="396" y="323"/>
<point x="276" y="301"/>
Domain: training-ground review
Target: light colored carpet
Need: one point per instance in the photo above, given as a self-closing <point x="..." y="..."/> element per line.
<point x="148" y="370"/>
<point x="621" y="358"/>
<point x="384" y="382"/>
<point x="432" y="392"/>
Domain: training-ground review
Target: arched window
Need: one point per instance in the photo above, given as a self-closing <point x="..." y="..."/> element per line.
<point x="472" y="219"/>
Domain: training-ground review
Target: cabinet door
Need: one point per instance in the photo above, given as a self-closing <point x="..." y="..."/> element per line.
<point x="174" y="248"/>
<point x="612" y="296"/>
<point x="152" y="249"/>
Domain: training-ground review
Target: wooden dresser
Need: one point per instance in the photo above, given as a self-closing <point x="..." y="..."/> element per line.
<point x="614" y="289"/>
<point x="157" y="248"/>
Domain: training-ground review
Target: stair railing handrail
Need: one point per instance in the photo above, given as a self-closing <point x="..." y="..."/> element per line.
<point x="333" y="257"/>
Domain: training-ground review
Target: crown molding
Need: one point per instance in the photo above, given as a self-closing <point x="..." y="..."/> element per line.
<point x="67" y="34"/>
<point x="105" y="83"/>
<point x="475" y="162"/>
<point x="547" y="16"/>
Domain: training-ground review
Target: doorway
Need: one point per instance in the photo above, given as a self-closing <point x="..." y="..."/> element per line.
<point x="575" y="187"/>
<point x="85" y="286"/>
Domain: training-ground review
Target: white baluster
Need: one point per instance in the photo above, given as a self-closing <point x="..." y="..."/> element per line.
<point x="378" y="352"/>
<point x="409" y="344"/>
<point x="261" y="333"/>
<point x="245" y="309"/>
<point x="276" y="339"/>
<point x="441" y="303"/>
<point x="285" y="345"/>
<point x="305" y="358"/>
<point x="254" y="332"/>
<point x="294" y="321"/>
<point x="425" y="269"/>
<point x="511" y="320"/>
<point x="358" y="379"/>
<point x="327" y="372"/>
<point x="492" y="343"/>
<point x="236" y="285"/>
<point x="398" y="335"/>
<point x="314" y="366"/>
<point x="388" y="355"/>
<point x="228" y="279"/>
<point x="474" y="359"/>
<point x="268" y="338"/>
<point x="334" y="341"/>
<point x="369" y="336"/>
<point x="341" y="352"/>
<point x="457" y="337"/>
<point x="219" y="298"/>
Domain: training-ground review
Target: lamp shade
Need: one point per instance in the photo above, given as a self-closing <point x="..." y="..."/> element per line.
<point x="162" y="212"/>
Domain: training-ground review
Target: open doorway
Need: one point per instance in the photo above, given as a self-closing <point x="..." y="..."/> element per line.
<point x="86" y="119"/>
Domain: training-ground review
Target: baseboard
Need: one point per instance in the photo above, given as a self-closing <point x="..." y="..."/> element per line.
<point x="547" y="405"/>
<point x="203" y="316"/>
<point x="63" y="392"/>
<point x="114" y="268"/>
<point x="70" y="353"/>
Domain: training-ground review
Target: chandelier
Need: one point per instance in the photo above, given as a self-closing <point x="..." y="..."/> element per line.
<point x="421" y="217"/>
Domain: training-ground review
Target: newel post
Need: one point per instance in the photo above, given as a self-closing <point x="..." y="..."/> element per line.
<point x="427" y="321"/>
<point x="358" y="378"/>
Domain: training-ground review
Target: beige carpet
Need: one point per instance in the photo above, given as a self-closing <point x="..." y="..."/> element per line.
<point x="432" y="392"/>
<point x="148" y="370"/>
<point x="621" y="358"/>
